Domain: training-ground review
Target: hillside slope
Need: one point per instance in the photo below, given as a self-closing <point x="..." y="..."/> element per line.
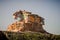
<point x="5" y="35"/>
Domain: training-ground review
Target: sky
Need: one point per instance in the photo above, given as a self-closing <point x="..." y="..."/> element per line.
<point x="48" y="9"/>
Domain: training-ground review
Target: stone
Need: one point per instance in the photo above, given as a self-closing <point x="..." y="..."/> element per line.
<point x="28" y="22"/>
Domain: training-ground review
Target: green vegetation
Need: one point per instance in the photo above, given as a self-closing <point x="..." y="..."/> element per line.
<point x="30" y="36"/>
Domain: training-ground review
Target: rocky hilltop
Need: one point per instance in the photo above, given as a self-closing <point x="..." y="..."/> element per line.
<point x="27" y="21"/>
<point x="27" y="27"/>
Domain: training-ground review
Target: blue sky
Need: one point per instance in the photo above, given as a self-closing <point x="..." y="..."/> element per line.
<point x="50" y="10"/>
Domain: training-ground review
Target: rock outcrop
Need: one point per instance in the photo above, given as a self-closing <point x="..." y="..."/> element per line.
<point x="26" y="21"/>
<point x="27" y="27"/>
